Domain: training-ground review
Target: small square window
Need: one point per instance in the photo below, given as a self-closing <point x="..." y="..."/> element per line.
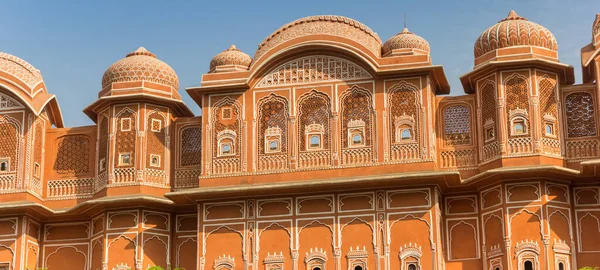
<point x="125" y="124"/>
<point x="273" y="146"/>
<point x="405" y="135"/>
<point x="125" y="159"/>
<point x="226" y="149"/>
<point x="489" y="134"/>
<point x="549" y="129"/>
<point x="36" y="169"/>
<point x="102" y="164"/>
<point x="154" y="160"/>
<point x="156" y="125"/>
<point x="4" y="165"/>
<point x="226" y="113"/>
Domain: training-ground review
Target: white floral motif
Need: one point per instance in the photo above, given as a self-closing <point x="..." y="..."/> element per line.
<point x="317" y="68"/>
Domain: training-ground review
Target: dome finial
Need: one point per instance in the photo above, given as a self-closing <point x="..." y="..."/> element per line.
<point x="141" y="51"/>
<point x="232" y="48"/>
<point x="512" y="15"/>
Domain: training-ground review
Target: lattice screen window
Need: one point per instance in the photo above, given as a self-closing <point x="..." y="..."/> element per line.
<point x="191" y="146"/>
<point x="73" y="154"/>
<point x="580" y="113"/>
<point x="457" y="125"/>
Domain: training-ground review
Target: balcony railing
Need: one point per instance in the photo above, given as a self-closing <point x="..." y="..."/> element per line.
<point x="7" y="182"/>
<point x="70" y="188"/>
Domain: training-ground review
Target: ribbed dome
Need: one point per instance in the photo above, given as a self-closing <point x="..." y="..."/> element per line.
<point x="231" y="56"/>
<point x="140" y="65"/>
<point x="19" y="68"/>
<point x="405" y="40"/>
<point x="514" y="30"/>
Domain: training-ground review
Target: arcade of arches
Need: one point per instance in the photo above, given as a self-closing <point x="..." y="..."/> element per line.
<point x="329" y="149"/>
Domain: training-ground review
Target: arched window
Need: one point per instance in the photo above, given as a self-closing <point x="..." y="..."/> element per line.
<point x="519" y="127"/>
<point x="316" y="268"/>
<point x="528" y="265"/>
<point x="497" y="268"/>
<point x="357" y="139"/>
<point x="405" y="134"/>
<point x="273" y="146"/>
<point x="315" y="141"/>
<point x="358" y="267"/>
<point x="412" y="267"/>
<point x="226" y="149"/>
<point x="549" y="129"/>
<point x="561" y="266"/>
<point x="3" y="165"/>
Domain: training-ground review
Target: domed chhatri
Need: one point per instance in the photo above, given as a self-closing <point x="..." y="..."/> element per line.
<point x="514" y="30"/>
<point x="405" y="40"/>
<point x="231" y="59"/>
<point x="140" y="65"/>
<point x="20" y="69"/>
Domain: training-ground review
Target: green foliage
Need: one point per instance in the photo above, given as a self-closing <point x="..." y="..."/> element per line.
<point x="589" y="268"/>
<point x="156" y="268"/>
<point x="179" y="268"/>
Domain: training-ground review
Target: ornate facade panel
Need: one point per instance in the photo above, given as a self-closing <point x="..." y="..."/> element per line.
<point x="189" y="159"/>
<point x="227" y="136"/>
<point x="9" y="103"/>
<point x="73" y="155"/>
<point x="311" y="69"/>
<point x="10" y="151"/>
<point x="518" y="115"/>
<point x="125" y="133"/>
<point x="549" y="115"/>
<point x="357" y="126"/>
<point x="157" y="133"/>
<point x="103" y="150"/>
<point x="580" y="112"/>
<point x="489" y="120"/>
<point x="404" y="118"/>
<point x="272" y="133"/>
<point x="314" y="130"/>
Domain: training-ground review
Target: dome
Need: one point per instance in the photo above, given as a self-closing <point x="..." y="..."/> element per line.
<point x="405" y="40"/>
<point x="338" y="26"/>
<point x="140" y="65"/>
<point x="20" y="69"/>
<point x="231" y="57"/>
<point x="514" y="30"/>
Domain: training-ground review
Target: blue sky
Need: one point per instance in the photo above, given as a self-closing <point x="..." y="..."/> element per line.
<point x="73" y="42"/>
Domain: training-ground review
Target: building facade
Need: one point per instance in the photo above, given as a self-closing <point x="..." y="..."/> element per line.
<point x="329" y="149"/>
